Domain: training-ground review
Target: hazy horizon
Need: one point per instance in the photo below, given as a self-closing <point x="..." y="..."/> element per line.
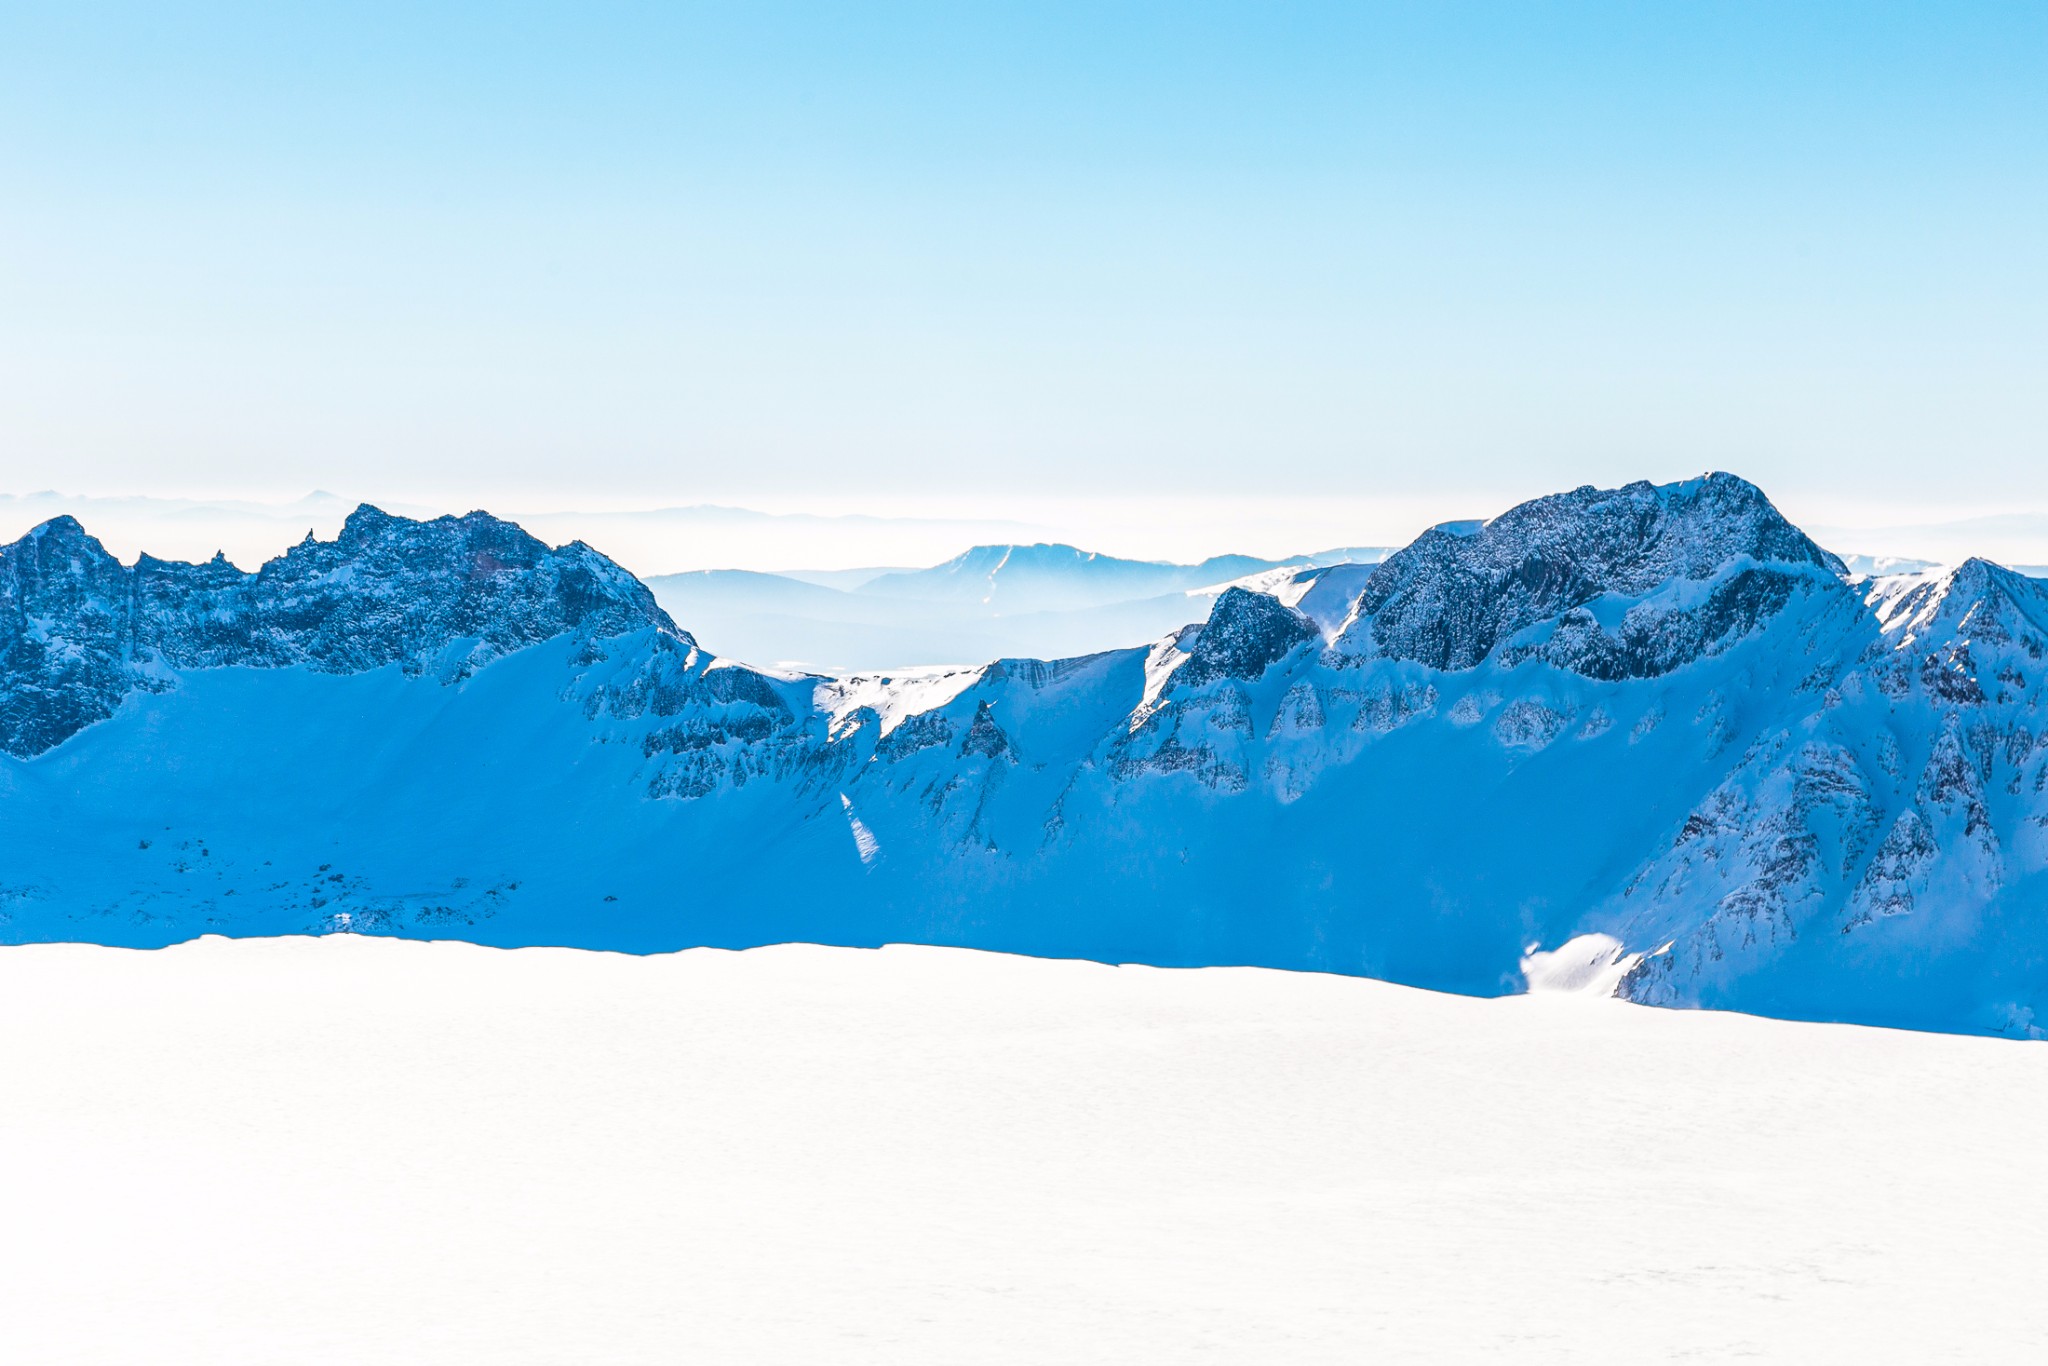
<point x="1427" y="260"/>
<point x="654" y="537"/>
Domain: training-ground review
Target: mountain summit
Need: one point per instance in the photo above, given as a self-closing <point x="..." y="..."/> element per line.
<point x="1451" y="597"/>
<point x="1053" y="577"/>
<point x="81" y="631"/>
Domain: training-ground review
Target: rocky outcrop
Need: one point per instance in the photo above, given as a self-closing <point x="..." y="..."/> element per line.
<point x="1456" y="594"/>
<point x="79" y="631"/>
<point x="1246" y="634"/>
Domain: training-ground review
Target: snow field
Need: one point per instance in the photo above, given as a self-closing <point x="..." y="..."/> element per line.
<point x="353" y="1149"/>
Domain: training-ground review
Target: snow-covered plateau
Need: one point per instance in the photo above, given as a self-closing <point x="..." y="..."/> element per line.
<point x="346" y="1150"/>
<point x="1658" y="714"/>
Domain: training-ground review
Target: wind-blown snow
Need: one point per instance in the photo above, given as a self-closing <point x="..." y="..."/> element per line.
<point x="238" y="1153"/>
<point x="863" y="838"/>
<point x="1590" y="965"/>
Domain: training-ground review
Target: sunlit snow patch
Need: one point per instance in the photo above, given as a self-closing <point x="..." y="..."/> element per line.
<point x="1590" y="965"/>
<point x="1160" y="661"/>
<point x="863" y="838"/>
<point x="896" y="697"/>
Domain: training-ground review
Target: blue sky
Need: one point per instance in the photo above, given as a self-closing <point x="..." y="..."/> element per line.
<point x="889" y="255"/>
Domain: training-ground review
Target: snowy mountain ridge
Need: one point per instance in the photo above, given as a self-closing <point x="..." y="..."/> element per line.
<point x="1053" y="576"/>
<point x="1047" y="600"/>
<point x="1658" y="714"/>
<point x="448" y="595"/>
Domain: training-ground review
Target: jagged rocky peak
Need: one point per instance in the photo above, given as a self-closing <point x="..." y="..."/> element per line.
<point x="63" y="529"/>
<point x="55" y="568"/>
<point x="387" y="588"/>
<point x="1969" y="635"/>
<point x="1455" y="594"/>
<point x="1976" y="599"/>
<point x="79" y="631"/>
<point x="486" y="576"/>
<point x="1245" y="635"/>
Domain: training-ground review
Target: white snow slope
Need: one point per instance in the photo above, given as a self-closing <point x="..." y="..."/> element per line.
<point x="350" y="1150"/>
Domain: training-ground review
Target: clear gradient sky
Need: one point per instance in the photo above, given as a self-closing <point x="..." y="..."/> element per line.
<point x="876" y="256"/>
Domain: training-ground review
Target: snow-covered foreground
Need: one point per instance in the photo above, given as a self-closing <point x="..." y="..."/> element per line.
<point x="352" y="1149"/>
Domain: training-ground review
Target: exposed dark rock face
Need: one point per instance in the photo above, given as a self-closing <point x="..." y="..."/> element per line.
<point x="1453" y="596"/>
<point x="918" y="733"/>
<point x="64" y="636"/>
<point x="79" y="631"/>
<point x="984" y="736"/>
<point x="1654" y="638"/>
<point x="1247" y="633"/>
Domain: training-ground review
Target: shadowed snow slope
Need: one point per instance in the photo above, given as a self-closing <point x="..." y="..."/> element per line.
<point x="1658" y="714"/>
<point x="352" y="1150"/>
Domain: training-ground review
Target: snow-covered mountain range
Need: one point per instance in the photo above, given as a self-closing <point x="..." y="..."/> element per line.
<point x="1656" y="725"/>
<point x="1043" y="600"/>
